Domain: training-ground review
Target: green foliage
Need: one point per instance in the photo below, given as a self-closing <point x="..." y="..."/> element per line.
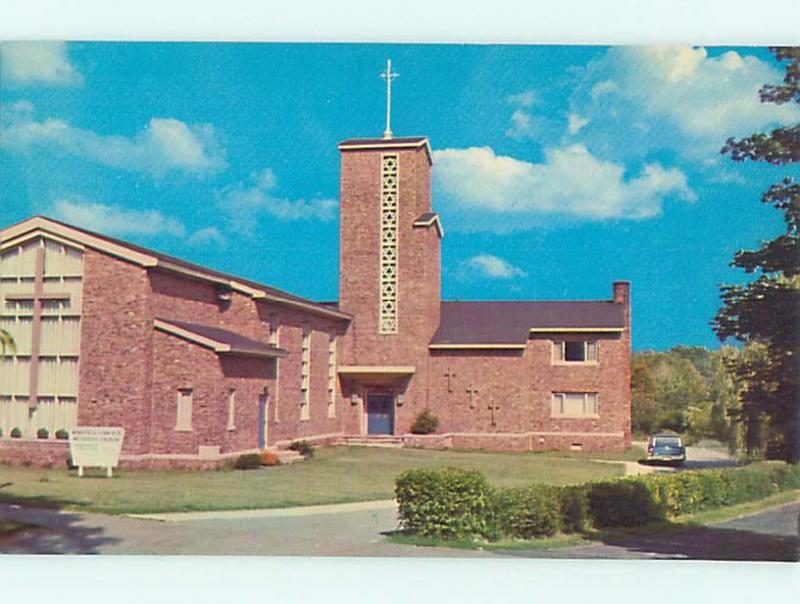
<point x="425" y="423"/>
<point x="574" y="507"/>
<point x="449" y="503"/>
<point x="6" y="343"/>
<point x="62" y="434"/>
<point x="686" y="389"/>
<point x="528" y="512"/>
<point x="42" y="433"/>
<point x="767" y="310"/>
<point x="305" y="448"/>
<point x="16" y="433"/>
<point x="248" y="461"/>
<point x="459" y="504"/>
<point x="621" y="503"/>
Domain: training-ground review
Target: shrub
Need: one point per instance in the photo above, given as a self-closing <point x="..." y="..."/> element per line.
<point x="622" y="503"/>
<point x="62" y="434"/>
<point x="425" y="423"/>
<point x="305" y="448"/>
<point x="574" y="507"/>
<point x="42" y="433"/>
<point x="16" y="433"/>
<point x="528" y="512"/>
<point x="1" y="433"/>
<point x="248" y="461"/>
<point x="451" y="503"/>
<point x="269" y="459"/>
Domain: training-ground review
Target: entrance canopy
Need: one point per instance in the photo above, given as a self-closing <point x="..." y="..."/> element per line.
<point x="376" y="374"/>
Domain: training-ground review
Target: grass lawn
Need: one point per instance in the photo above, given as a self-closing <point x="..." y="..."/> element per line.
<point x="333" y="475"/>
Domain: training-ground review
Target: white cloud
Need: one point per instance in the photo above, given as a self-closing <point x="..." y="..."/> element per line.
<point x="245" y="204"/>
<point x="523" y="99"/>
<point x="116" y="220"/>
<point x="575" y="123"/>
<point x="37" y="63"/>
<point x="687" y="101"/>
<point x="490" y="267"/>
<point x="488" y="192"/>
<point x="207" y="236"/>
<point x="164" y="145"/>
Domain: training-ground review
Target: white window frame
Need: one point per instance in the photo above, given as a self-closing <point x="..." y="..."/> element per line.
<point x="231" y="409"/>
<point x="183" y="414"/>
<point x="559" y="353"/>
<point x="558" y="399"/>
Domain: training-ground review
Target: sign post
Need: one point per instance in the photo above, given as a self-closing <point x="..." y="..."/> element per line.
<point x="95" y="447"/>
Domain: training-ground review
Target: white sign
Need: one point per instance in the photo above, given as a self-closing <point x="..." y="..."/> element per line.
<point x="95" y="447"/>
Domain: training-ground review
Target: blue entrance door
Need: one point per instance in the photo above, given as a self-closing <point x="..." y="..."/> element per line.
<point x="380" y="414"/>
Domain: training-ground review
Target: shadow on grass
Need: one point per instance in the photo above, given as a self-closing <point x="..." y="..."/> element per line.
<point x="49" y="529"/>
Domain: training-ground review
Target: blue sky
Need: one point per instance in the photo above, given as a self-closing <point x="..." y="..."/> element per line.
<point x="557" y="168"/>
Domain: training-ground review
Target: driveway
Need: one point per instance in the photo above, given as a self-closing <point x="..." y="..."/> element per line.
<point x="769" y="535"/>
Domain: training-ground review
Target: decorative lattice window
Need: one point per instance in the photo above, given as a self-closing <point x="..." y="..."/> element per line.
<point x="332" y="376"/>
<point x="305" y="374"/>
<point x="389" y="202"/>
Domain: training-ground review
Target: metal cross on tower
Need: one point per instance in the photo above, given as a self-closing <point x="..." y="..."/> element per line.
<point x="388" y="75"/>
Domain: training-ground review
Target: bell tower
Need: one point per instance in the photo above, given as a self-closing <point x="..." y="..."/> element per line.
<point x="389" y="237"/>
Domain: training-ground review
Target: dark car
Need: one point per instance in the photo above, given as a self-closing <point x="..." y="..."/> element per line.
<point x="667" y="448"/>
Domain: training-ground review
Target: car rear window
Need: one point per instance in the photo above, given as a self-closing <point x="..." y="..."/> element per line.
<point x="667" y="441"/>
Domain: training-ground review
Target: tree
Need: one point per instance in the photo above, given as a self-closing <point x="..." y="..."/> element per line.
<point x="767" y="311"/>
<point x="6" y="342"/>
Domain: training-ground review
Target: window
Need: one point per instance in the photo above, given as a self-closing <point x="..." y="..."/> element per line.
<point x="387" y="322"/>
<point x="305" y="374"/>
<point x="275" y="340"/>
<point x="574" y="404"/>
<point x="580" y="351"/>
<point x="183" y="423"/>
<point x="232" y="409"/>
<point x="332" y="376"/>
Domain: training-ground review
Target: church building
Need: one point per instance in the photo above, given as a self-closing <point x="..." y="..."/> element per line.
<point x="200" y="366"/>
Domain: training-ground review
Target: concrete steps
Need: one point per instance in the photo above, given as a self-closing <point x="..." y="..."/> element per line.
<point x="389" y="442"/>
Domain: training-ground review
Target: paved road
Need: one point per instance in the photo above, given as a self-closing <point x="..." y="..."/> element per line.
<point x="770" y="535"/>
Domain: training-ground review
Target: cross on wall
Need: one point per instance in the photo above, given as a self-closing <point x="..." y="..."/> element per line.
<point x="449" y="374"/>
<point x="37" y="298"/>
<point x="472" y="391"/>
<point x="493" y="407"/>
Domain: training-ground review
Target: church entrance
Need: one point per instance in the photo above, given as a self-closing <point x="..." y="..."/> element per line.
<point x="380" y="414"/>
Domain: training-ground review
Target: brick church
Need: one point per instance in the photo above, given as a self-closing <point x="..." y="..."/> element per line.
<point x="199" y="366"/>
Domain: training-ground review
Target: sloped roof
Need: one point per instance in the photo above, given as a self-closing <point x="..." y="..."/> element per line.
<point x="222" y="341"/>
<point x="510" y="323"/>
<point x="408" y="142"/>
<point x="154" y="259"/>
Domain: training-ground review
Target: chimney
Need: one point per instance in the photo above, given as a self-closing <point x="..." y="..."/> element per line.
<point x="622" y="292"/>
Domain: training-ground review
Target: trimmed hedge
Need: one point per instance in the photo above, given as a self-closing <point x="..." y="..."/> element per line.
<point x="248" y="461"/>
<point x="529" y="512"/>
<point x="455" y="504"/>
<point x="449" y="503"/>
